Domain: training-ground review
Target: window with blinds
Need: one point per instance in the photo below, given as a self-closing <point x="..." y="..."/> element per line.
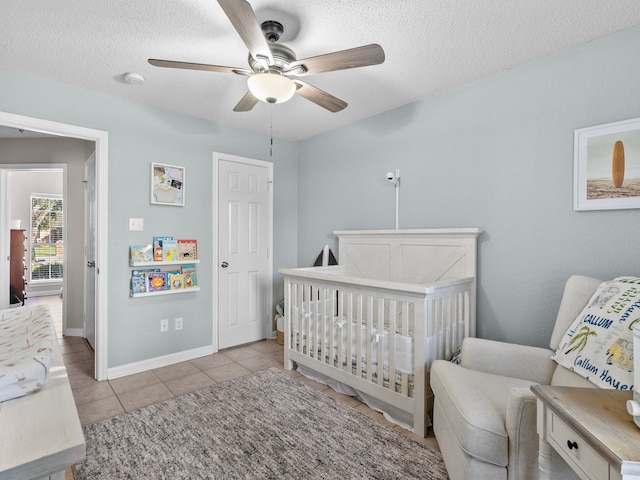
<point x="47" y="246"/>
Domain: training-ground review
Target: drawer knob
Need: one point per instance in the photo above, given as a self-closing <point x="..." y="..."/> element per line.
<point x="572" y="445"/>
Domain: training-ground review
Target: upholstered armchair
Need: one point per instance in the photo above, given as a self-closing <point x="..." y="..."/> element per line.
<point x="484" y="415"/>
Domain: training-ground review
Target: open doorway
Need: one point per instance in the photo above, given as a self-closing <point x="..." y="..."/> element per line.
<point x="98" y="141"/>
<point x="37" y="207"/>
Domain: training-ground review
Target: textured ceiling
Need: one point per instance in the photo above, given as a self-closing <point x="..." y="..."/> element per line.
<point x="430" y="45"/>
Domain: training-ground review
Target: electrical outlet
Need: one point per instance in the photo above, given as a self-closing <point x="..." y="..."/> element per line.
<point x="179" y="323"/>
<point x="164" y="325"/>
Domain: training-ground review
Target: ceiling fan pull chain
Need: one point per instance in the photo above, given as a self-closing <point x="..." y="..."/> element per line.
<point x="271" y="133"/>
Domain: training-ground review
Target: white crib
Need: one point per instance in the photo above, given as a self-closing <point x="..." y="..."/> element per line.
<point x="398" y="300"/>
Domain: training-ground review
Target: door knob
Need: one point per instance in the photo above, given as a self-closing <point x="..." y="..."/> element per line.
<point x="224" y="264"/>
<point x="91" y="264"/>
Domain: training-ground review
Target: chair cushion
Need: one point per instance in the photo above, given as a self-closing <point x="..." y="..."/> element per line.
<point x="475" y="404"/>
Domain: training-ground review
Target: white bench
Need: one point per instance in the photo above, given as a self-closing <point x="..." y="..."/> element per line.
<point x="40" y="433"/>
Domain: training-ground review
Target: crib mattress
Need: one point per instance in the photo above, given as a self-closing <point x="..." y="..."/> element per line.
<point x="333" y="360"/>
<point x="405" y="356"/>
<point x="26" y="337"/>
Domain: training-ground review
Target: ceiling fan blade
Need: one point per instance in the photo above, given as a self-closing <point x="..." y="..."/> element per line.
<point x="246" y="103"/>
<point x="244" y="20"/>
<point x="372" y="54"/>
<point x="199" y="66"/>
<point x="319" y="97"/>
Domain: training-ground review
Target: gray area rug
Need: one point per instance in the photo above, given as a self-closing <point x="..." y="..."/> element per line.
<point x="265" y="425"/>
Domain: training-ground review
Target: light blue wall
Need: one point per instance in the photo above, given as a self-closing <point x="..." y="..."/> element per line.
<point x="496" y="154"/>
<point x="139" y="135"/>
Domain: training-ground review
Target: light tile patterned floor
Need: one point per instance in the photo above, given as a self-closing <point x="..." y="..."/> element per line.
<point x="97" y="401"/>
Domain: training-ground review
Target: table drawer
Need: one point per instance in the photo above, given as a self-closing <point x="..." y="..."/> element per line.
<point x="575" y="450"/>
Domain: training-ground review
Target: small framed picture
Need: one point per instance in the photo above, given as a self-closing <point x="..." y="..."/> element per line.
<point x="607" y="166"/>
<point x="167" y="184"/>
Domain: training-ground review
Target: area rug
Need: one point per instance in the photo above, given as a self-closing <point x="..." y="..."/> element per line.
<point x="264" y="425"/>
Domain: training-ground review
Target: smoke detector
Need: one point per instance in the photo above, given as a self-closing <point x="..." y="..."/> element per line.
<point x="133" y="78"/>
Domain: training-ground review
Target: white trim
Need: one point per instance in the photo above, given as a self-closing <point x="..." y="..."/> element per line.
<point x="217" y="156"/>
<point x="74" y="332"/>
<point x="101" y="139"/>
<point x="214" y="250"/>
<point x="159" y="362"/>
<point x="47" y="293"/>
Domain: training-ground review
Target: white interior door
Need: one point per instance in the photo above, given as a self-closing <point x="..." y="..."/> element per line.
<point x="90" y="251"/>
<point x="244" y="236"/>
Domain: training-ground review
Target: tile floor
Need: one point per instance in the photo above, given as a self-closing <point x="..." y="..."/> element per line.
<point x="100" y="400"/>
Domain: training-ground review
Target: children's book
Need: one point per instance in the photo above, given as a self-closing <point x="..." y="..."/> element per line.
<point x="187" y="249"/>
<point x="169" y="250"/>
<point x="141" y="253"/>
<point x="157" y="247"/>
<point x="144" y="271"/>
<point x="139" y="283"/>
<point x="175" y="280"/>
<point x="140" y="280"/>
<point x="190" y="277"/>
<point x="157" y="281"/>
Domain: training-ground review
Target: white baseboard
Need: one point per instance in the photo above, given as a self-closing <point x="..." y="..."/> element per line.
<point x="74" y="332"/>
<point x="44" y="293"/>
<point x="158" y="362"/>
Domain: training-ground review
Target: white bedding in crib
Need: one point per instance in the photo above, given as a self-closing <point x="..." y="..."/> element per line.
<point x="390" y="412"/>
<point x="26" y="337"/>
<point x="403" y="357"/>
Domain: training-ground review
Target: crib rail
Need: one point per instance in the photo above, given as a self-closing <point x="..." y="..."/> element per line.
<point x="378" y="337"/>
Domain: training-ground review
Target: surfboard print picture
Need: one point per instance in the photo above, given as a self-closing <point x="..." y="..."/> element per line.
<point x="607" y="166"/>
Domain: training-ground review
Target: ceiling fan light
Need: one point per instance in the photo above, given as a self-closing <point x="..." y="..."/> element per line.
<point x="271" y="87"/>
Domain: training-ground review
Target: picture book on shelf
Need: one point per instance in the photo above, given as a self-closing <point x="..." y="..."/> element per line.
<point x="139" y="283"/>
<point x="187" y="249"/>
<point x="190" y="277"/>
<point x="175" y="280"/>
<point x="141" y="253"/>
<point x="158" y="243"/>
<point x="157" y="281"/>
<point x="140" y="280"/>
<point x="169" y="250"/>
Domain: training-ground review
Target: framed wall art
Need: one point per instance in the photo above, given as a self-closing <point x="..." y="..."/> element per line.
<point x="167" y="184"/>
<point x="607" y="166"/>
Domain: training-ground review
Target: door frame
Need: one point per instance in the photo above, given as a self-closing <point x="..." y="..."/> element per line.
<point x="101" y="139"/>
<point x="217" y="156"/>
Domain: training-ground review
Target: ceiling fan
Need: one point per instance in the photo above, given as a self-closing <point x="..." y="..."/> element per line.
<point x="274" y="69"/>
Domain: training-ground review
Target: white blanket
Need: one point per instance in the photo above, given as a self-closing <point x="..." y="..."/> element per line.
<point x="26" y="336"/>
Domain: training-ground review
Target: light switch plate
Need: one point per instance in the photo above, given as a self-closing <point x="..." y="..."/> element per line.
<point x="136" y="224"/>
